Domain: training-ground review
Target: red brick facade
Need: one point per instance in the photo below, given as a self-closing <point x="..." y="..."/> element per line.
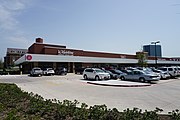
<point x="40" y="48"/>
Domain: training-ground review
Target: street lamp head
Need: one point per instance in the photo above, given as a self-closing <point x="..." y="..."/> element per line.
<point x="155" y="42"/>
<point x="152" y="42"/>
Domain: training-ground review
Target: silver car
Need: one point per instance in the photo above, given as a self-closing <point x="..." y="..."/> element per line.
<point x="142" y="76"/>
<point x="36" y="72"/>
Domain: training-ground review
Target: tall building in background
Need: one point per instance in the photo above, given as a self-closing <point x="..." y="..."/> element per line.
<point x="151" y="50"/>
<point x="12" y="55"/>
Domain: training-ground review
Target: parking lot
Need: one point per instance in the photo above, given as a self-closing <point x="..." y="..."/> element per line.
<point x="164" y="94"/>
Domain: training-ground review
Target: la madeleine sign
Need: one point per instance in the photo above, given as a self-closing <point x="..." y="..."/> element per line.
<point x="65" y="52"/>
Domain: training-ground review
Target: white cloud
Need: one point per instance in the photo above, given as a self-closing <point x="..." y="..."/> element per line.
<point x="9" y="24"/>
<point x="8" y="11"/>
<point x="11" y="33"/>
<point x="14" y="5"/>
<point x="18" y="39"/>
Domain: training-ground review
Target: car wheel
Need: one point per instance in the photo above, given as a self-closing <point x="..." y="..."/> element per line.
<point x="142" y="79"/>
<point x="122" y="78"/>
<point x="85" y="77"/>
<point x="97" y="78"/>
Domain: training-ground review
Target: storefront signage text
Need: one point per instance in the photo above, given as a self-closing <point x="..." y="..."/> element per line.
<point x="123" y="56"/>
<point x="169" y="59"/>
<point x="65" y="52"/>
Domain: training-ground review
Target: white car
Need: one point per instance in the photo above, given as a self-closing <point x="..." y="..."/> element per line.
<point x="163" y="74"/>
<point x="48" y="71"/>
<point x="170" y="70"/>
<point x="178" y="70"/>
<point x="95" y="73"/>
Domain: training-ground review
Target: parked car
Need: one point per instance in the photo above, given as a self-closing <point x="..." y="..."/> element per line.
<point x="124" y="70"/>
<point x="36" y="72"/>
<point x="95" y="73"/>
<point x="79" y="70"/>
<point x="170" y="70"/>
<point x="112" y="75"/>
<point x="3" y="72"/>
<point x="61" y="71"/>
<point x="118" y="72"/>
<point x="131" y="68"/>
<point x="163" y="74"/>
<point x="48" y="71"/>
<point x="149" y="70"/>
<point x="139" y="75"/>
<point x="178" y="70"/>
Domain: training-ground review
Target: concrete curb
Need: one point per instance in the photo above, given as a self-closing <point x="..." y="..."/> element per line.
<point x="119" y="85"/>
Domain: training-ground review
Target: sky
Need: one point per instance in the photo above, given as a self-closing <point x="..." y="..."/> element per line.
<point x="113" y="26"/>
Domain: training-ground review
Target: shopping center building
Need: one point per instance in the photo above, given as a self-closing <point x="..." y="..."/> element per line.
<point x="55" y="56"/>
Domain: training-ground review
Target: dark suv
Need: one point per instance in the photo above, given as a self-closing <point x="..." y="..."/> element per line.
<point x="79" y="70"/>
<point x="61" y="71"/>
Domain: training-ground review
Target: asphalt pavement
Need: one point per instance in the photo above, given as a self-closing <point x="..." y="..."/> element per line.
<point x="115" y="93"/>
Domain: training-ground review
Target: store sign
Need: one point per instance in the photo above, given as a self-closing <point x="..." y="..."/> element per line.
<point x="174" y="59"/>
<point x="123" y="56"/>
<point x="28" y="57"/>
<point x="65" y="52"/>
<point x="169" y="59"/>
<point x="162" y="59"/>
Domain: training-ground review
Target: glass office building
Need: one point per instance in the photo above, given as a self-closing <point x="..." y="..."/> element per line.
<point x="151" y="50"/>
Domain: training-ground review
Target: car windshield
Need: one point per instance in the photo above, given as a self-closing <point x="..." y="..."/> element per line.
<point x="129" y="72"/>
<point x="163" y="69"/>
<point x="109" y="72"/>
<point x="98" y="71"/>
<point x="118" y="71"/>
<point x="146" y="72"/>
<point x="37" y="69"/>
<point x="49" y="69"/>
<point x="158" y="71"/>
<point x="148" y="69"/>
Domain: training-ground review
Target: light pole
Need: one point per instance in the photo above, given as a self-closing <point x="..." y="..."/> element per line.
<point x="155" y="51"/>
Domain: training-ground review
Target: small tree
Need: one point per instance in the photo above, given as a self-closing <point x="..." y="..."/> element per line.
<point x="142" y="59"/>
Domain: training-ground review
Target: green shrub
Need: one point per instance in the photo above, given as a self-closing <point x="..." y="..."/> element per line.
<point x="175" y="114"/>
<point x="17" y="105"/>
<point x="12" y="115"/>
